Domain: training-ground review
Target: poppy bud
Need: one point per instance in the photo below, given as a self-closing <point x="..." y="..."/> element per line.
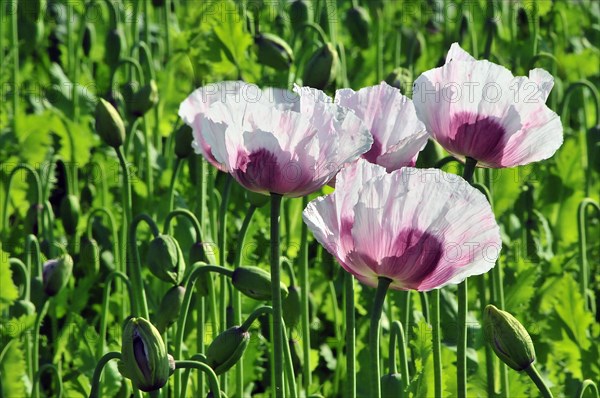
<point x="291" y="307"/>
<point x="109" y="124"/>
<point x="257" y="199"/>
<point x="273" y="51"/>
<point x="300" y="13"/>
<point x="400" y="78"/>
<point x="113" y="46"/>
<point x="69" y="213"/>
<point x="21" y="308"/>
<point x="358" y="22"/>
<point x="321" y="68"/>
<point x="183" y="141"/>
<point x="168" y="312"/>
<point x="144" y="358"/>
<point x="36" y="292"/>
<point x="87" y="196"/>
<point x="89" y="37"/>
<point x="197" y="254"/>
<point x="89" y="258"/>
<point x="165" y="259"/>
<point x="56" y="273"/>
<point x="32" y="217"/>
<point x="508" y="338"/>
<point x="391" y="385"/>
<point x="144" y="99"/>
<point x="255" y="283"/>
<point x="227" y="349"/>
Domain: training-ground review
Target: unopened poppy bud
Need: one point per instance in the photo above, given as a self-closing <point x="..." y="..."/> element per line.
<point x="400" y="78"/>
<point x="165" y="259"/>
<point x="291" y="307"/>
<point x="32" y="217"/>
<point x="113" y="46"/>
<point x="21" y="308"/>
<point x="144" y="358"/>
<point x="227" y="349"/>
<point x="89" y="37"/>
<point x="109" y="124"/>
<point x="69" y="213"/>
<point x="56" y="274"/>
<point x="358" y="22"/>
<point x="168" y="312"/>
<point x="255" y="283"/>
<point x="300" y="13"/>
<point x="508" y="338"/>
<point x="144" y="99"/>
<point x="273" y="51"/>
<point x="257" y="199"/>
<point x="197" y="254"/>
<point x="391" y="385"/>
<point x="321" y="68"/>
<point x="89" y="258"/>
<point x="183" y="141"/>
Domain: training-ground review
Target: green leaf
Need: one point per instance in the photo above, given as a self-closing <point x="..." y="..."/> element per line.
<point x="571" y="309"/>
<point x="15" y="382"/>
<point x="8" y="291"/>
<point x="230" y="31"/>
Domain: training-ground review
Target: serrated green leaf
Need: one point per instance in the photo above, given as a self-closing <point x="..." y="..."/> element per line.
<point x="8" y="291"/>
<point x="15" y="382"/>
<point x="571" y="308"/>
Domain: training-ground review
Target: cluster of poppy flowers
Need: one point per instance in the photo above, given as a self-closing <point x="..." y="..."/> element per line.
<point x="420" y="228"/>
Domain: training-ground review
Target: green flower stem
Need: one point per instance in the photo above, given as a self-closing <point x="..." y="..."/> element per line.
<point x="176" y="171"/>
<point x="379" y="43"/>
<point x="186" y="375"/>
<point x="95" y="393"/>
<point x="131" y="129"/>
<point x="197" y="270"/>
<point x="398" y="338"/>
<point x="57" y="378"/>
<point x="35" y="363"/>
<point x="337" y="334"/>
<point x="350" y="336"/>
<point x="222" y="249"/>
<point x="213" y="381"/>
<point x="491" y="30"/>
<point x="14" y="41"/>
<point x="437" y="348"/>
<point x="185" y="214"/>
<point x="112" y="225"/>
<point x="424" y="306"/>
<point x="136" y="266"/>
<point x="305" y="289"/>
<point x="539" y="382"/>
<point x="48" y="219"/>
<point x="277" y="344"/>
<point x="105" y="310"/>
<point x="18" y="264"/>
<point x="382" y="288"/>
<point x="490" y="363"/>
<point x="200" y="319"/>
<point x="38" y="191"/>
<point x="167" y="22"/>
<point x="588" y="384"/>
<point x="76" y="62"/>
<point x="265" y="309"/>
<point x="32" y="249"/>
<point x="581" y="228"/>
<point x="316" y="28"/>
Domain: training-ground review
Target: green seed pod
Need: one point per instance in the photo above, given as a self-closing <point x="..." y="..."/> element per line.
<point x="197" y="254"/>
<point x="257" y="199"/>
<point x="400" y="78"/>
<point x="168" y="312"/>
<point x="391" y="385"/>
<point x="321" y="68"/>
<point x="227" y="349"/>
<point x="508" y="338"/>
<point x="165" y="259"/>
<point x="89" y="38"/>
<point x="273" y="51"/>
<point x="109" y="124"/>
<point x="31" y="218"/>
<point x="144" y="99"/>
<point x="183" y="141"/>
<point x="300" y="13"/>
<point x="21" y="308"/>
<point x="69" y="213"/>
<point x="36" y="292"/>
<point x="144" y="357"/>
<point x="89" y="258"/>
<point x="113" y="47"/>
<point x="359" y="25"/>
<point x="292" y="307"/>
<point x="56" y="274"/>
<point x="255" y="283"/>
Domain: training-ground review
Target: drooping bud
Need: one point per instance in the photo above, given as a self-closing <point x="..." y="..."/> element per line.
<point x="400" y="78"/>
<point x="321" y="68"/>
<point x="255" y="283"/>
<point x="31" y="218"/>
<point x="89" y="257"/>
<point x="109" y="124"/>
<point x="144" y="99"/>
<point x="168" y="312"/>
<point x="165" y="259"/>
<point x="300" y="13"/>
<point x="56" y="274"/>
<point x="391" y="385"/>
<point x="197" y="254"/>
<point x="183" y="141"/>
<point x="292" y="307"/>
<point x="273" y="51"/>
<point x="227" y="349"/>
<point x="144" y="358"/>
<point x="508" y="338"/>
<point x="358" y="22"/>
<point x="69" y="213"/>
<point x="89" y="37"/>
<point x="113" y="47"/>
<point x="257" y="199"/>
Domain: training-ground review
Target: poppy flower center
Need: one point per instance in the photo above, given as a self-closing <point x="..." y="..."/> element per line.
<point x="476" y="136"/>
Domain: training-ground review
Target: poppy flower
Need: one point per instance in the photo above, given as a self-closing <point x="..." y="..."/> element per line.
<point x="478" y="109"/>
<point x="274" y="140"/>
<point x="420" y="228"/>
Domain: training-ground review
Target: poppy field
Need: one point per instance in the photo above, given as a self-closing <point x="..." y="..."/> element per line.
<point x="299" y="198"/>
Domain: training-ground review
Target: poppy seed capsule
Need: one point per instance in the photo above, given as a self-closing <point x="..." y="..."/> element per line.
<point x="56" y="274"/>
<point x="89" y="37"/>
<point x="89" y="258"/>
<point x="291" y="307"/>
<point x="358" y="22"/>
<point x="391" y="385"/>
<point x="144" y="357"/>
<point x="69" y="213"/>
<point x="165" y="259"/>
<point x="227" y="349"/>
<point x="321" y="68"/>
<point x="273" y="51"/>
<point x="109" y="124"/>
<point x="144" y="99"/>
<point x="508" y="338"/>
<point x="255" y="283"/>
<point x="113" y="46"/>
<point x="183" y="141"/>
<point x="168" y="312"/>
<point x="300" y="13"/>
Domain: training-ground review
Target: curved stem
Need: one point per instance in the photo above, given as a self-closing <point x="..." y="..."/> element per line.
<point x="587" y="384"/>
<point x="437" y="348"/>
<point x="185" y="214"/>
<point x="444" y="161"/>
<point x="95" y="393"/>
<point x="223" y="248"/>
<point x="265" y="309"/>
<point x="32" y="246"/>
<point x="38" y="190"/>
<point x="305" y="289"/>
<point x="276" y="294"/>
<point x="55" y="373"/>
<point x="105" y="311"/>
<point x="112" y="225"/>
<point x="350" y="335"/>
<point x="136" y="267"/>
<point x="583" y="84"/>
<point x="581" y="228"/>
<point x="382" y="288"/>
<point x="18" y="264"/>
<point x="176" y="171"/>
<point x="36" y="344"/>
<point x="539" y="382"/>
<point x="213" y="381"/>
